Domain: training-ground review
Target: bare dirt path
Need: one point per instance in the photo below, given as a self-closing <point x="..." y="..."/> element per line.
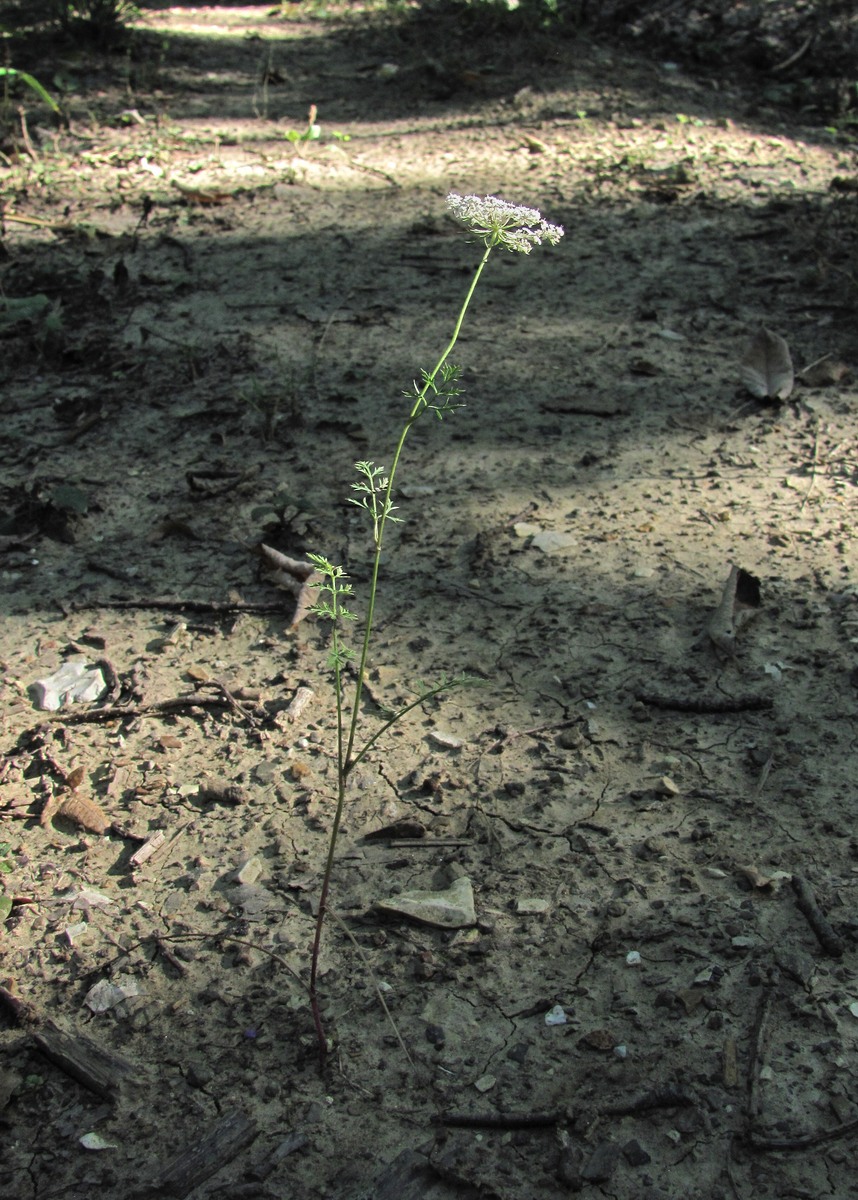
<point x="204" y="324"/>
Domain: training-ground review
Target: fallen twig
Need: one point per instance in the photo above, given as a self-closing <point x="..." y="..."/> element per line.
<point x="801" y="1141"/>
<point x="793" y="58"/>
<point x="375" y="984"/>
<point x="806" y="901"/>
<point x="493" y="1120"/>
<point x="231" y="700"/>
<point x="509" y="734"/>
<point x="758" y="1049"/>
<point x="124" y="712"/>
<point x="752" y="1139"/>
<point x="666" y="1097"/>
<point x="814" y="464"/>
<point x="705" y="704"/>
<point x="176" y="604"/>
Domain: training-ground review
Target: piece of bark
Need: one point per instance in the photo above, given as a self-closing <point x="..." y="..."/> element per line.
<point x="299" y="702"/>
<point x="23" y="1012"/>
<point x="221" y="791"/>
<point x="155" y="842"/>
<point x="225" y="1140"/>
<point x="730" y="1063"/>
<point x="286" y="1146"/>
<point x="100" y="1070"/>
<point x="411" y="1176"/>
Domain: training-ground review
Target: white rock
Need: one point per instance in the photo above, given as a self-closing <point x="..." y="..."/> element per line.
<point x="249" y="871"/>
<point x="452" y="908"/>
<point x="73" y="683"/>
<point x="554" y="541"/>
<point x="108" y="993"/>
<point x="94" y="1141"/>
<point x="448" y="740"/>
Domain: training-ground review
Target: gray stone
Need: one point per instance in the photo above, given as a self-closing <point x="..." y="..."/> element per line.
<point x="602" y="1163"/>
<point x="452" y="908"/>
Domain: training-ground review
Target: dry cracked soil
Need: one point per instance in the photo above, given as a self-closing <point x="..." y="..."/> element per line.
<point x="204" y="324"/>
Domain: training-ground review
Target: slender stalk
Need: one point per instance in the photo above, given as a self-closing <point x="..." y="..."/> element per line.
<point x="418" y="408"/>
<point x="497" y="223"/>
<point x="346" y="758"/>
<point x="336" y="606"/>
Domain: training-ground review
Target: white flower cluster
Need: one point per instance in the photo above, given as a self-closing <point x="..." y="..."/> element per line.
<point x="501" y="224"/>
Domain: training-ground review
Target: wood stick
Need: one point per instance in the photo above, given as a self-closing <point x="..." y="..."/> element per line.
<point x="806" y="901"/>
<point x="225" y="1140"/>
<point x="705" y="704"/>
<point x="123" y="712"/>
<point x="179" y="605"/>
<point x="90" y="1064"/>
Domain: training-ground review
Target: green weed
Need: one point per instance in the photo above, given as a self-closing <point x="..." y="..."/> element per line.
<point x="496" y="224"/>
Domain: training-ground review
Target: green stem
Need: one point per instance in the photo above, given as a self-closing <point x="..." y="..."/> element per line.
<point x="418" y="408"/>
<point x="338" y="816"/>
<point x="345" y="761"/>
<point x="400" y="712"/>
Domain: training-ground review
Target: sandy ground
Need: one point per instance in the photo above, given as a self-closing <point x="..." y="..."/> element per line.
<point x="203" y="325"/>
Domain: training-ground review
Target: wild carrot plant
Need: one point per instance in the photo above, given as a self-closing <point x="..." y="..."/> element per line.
<point x="496" y="224"/>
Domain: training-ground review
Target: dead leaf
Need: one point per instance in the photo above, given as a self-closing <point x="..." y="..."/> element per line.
<point x="826" y="373"/>
<point x="287" y="572"/>
<point x="404" y="828"/>
<point x="691" y="999"/>
<point x="740" y="600"/>
<point x="760" y="880"/>
<point x="202" y="195"/>
<point x="75" y="777"/>
<point x="295" y="576"/>
<point x="83" y="812"/>
<point x="599" y="1039"/>
<point x="766" y="367"/>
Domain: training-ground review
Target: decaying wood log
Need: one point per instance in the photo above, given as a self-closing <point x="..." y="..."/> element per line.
<point x="100" y="1070"/>
<point x="226" y="1139"/>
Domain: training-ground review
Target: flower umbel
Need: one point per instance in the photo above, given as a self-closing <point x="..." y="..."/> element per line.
<point x="501" y="224"/>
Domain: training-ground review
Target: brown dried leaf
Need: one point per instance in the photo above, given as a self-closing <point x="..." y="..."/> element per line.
<point x="84" y="812"/>
<point x="404" y="828"/>
<point x="598" y="1039"/>
<point x="766" y="367"/>
<point x="740" y="600"/>
<point x="75" y="777"/>
<point x="307" y="597"/>
<point x="755" y="877"/>
<point x="295" y="576"/>
<point x="194" y="195"/>
<point x="827" y="373"/>
<point x="290" y="573"/>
